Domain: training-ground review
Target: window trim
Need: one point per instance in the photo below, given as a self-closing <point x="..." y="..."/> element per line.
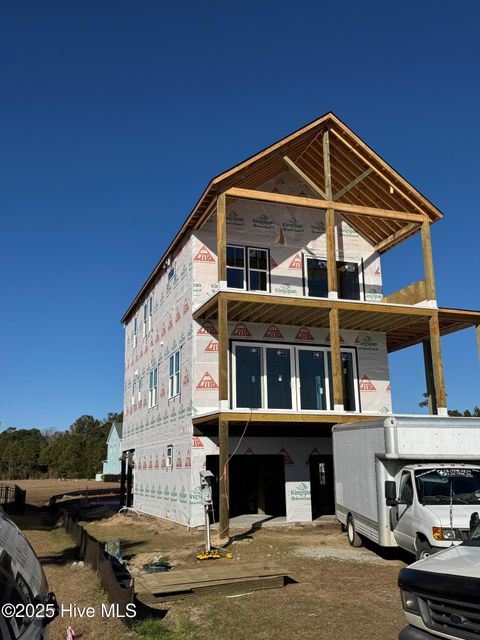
<point x="135" y="329"/>
<point x="175" y="376"/>
<point x="294" y="375"/>
<point x="169" y="457"/>
<point x="243" y="269"/>
<point x="145" y="316"/>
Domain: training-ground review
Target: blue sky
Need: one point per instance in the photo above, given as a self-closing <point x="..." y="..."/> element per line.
<point x="114" y="116"/>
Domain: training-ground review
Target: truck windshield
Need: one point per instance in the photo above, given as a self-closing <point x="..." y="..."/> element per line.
<point x="439" y="486"/>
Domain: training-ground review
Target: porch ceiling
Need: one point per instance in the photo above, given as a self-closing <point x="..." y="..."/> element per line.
<point x="403" y="325"/>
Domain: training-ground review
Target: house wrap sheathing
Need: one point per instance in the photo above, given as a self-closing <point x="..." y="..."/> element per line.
<point x="290" y="234"/>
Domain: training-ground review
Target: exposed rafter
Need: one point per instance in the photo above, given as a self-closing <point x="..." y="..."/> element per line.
<point x="352" y="184"/>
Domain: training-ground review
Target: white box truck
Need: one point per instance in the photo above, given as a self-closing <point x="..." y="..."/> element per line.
<point x="407" y="481"/>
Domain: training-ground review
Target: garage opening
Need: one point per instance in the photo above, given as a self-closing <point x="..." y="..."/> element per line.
<point x="257" y="484"/>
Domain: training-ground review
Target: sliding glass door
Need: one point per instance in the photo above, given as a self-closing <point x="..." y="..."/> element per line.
<point x="279" y="375"/>
<point x="312" y="379"/>
<point x="290" y="377"/>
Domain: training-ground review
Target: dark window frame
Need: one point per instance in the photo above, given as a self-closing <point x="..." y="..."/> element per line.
<point x="246" y="268"/>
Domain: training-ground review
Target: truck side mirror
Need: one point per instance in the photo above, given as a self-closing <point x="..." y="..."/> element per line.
<point x="390" y="493"/>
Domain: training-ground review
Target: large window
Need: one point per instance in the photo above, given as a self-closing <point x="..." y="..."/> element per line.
<point x="263" y="377"/>
<point x="247" y="268"/>
<point x="316" y="281"/>
<point x="153" y="388"/>
<point x="290" y="377"/>
<point x="174" y="375"/>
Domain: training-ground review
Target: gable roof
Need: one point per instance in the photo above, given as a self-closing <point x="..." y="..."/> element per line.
<point x="350" y="157"/>
<point x="117" y="427"/>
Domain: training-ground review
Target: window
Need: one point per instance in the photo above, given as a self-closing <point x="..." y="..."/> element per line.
<point x="150" y="313"/>
<point x="171" y="273"/>
<point x="348" y="281"/>
<point x="290" y="377"/>
<point x="317" y="283"/>
<point x="263" y="377"/>
<point x="135" y="332"/>
<point x="140" y="390"/>
<point x="169" y="461"/>
<point x="236" y="267"/>
<point x="251" y="273"/>
<point x="134" y="387"/>
<point x="257" y="269"/>
<point x="174" y="375"/>
<point x="406" y="488"/>
<point x="153" y="388"/>
<point x="145" y="316"/>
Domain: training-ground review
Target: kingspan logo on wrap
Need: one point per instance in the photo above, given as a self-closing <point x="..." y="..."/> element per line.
<point x="235" y="220"/>
<point x="263" y="222"/>
<point x="318" y="227"/>
<point x="285" y="289"/>
<point x="366" y="343"/>
<point x="292" y="224"/>
<point x="183" y="496"/>
<point x="348" y="231"/>
<point x="196" y="496"/>
<point x="301" y="492"/>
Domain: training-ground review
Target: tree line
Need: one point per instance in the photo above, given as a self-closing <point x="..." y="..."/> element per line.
<point x="77" y="452"/>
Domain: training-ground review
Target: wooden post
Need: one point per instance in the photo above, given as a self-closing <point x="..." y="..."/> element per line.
<point x="437" y="364"/>
<point x="224" y="497"/>
<point x="477" y="330"/>
<point x="336" y="357"/>
<point x="428" y="261"/>
<point x="429" y="377"/>
<point x="222" y="239"/>
<point x="330" y="221"/>
<point x="222" y="352"/>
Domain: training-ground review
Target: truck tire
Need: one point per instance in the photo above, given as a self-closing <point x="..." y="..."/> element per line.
<point x="354" y="540"/>
<point x="422" y="549"/>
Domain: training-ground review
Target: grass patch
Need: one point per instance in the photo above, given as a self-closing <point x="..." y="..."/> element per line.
<point x="152" y="629"/>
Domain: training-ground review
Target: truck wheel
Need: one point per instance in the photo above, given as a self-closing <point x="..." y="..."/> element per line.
<point x="354" y="540"/>
<point x="423" y="549"/>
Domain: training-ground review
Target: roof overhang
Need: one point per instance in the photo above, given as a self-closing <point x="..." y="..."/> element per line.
<point x="351" y="157"/>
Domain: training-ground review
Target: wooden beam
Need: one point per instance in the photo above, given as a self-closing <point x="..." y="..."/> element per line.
<point x="352" y="184"/>
<point x="303" y="176"/>
<point x="396" y="238"/>
<point x="331" y="254"/>
<point x="313" y="203"/>
<point x="429" y="377"/>
<point x="330" y="221"/>
<point x="222" y="238"/>
<point x="412" y="294"/>
<point x="477" y="331"/>
<point x="428" y="261"/>
<point x="336" y="360"/>
<point x="224" y="492"/>
<point x="437" y="363"/>
<point x="222" y="349"/>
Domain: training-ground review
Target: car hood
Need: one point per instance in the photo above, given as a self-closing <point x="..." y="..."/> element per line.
<point x="460" y="560"/>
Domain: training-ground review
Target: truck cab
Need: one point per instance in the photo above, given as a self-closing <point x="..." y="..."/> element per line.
<point x="431" y="504"/>
<point x="441" y="594"/>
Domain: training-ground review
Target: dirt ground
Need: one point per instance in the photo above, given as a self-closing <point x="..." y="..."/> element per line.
<point x="40" y="491"/>
<point x="335" y="591"/>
